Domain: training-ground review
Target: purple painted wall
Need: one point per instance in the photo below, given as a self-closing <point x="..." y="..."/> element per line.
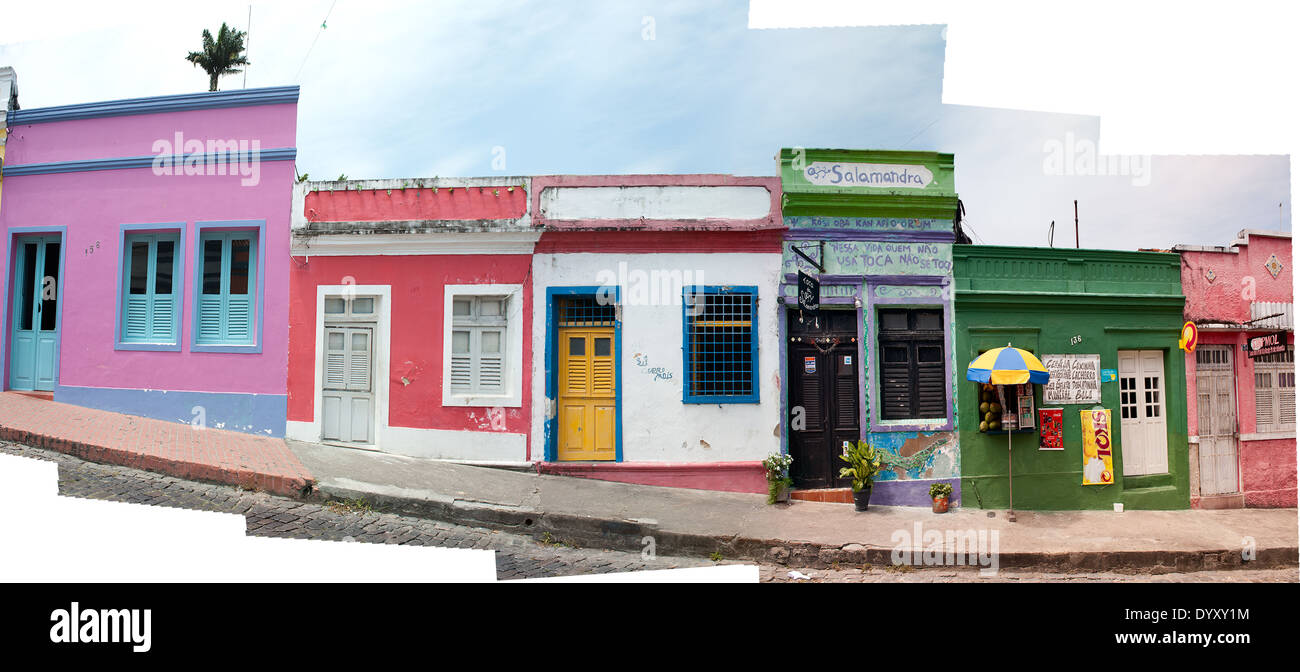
<point x="93" y="206"/>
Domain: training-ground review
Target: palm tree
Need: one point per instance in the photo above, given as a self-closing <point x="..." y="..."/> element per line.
<point x="219" y="57"/>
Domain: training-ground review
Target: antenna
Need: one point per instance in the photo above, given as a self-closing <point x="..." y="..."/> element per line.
<point x="1051" y="230"/>
<point x="1076" y="223"/>
<point x="249" y="35"/>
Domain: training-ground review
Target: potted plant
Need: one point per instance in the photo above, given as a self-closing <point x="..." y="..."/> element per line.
<point x="778" y="477"/>
<point x="939" y="493"/>
<point x="864" y="464"/>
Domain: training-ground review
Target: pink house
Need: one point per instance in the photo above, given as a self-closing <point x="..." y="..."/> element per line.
<point x="1241" y="377"/>
<point x="147" y="254"/>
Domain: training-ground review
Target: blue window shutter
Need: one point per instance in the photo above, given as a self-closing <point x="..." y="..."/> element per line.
<point x="137" y="326"/>
<point x="147" y="317"/>
<point x="227" y="318"/>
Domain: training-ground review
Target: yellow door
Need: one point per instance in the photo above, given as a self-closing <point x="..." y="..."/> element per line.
<point x="586" y="406"/>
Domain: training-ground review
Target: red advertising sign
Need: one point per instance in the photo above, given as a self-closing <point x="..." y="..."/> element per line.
<point x="1051" y="428"/>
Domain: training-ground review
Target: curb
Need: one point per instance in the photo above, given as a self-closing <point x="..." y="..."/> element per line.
<point x="633" y="535"/>
<point x="285" y="486"/>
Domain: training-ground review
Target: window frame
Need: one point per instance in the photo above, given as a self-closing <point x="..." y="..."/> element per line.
<point x="1273" y="369"/>
<point x="126" y="233"/>
<point x="513" y="314"/>
<point x="688" y="397"/>
<point x="256" y="230"/>
<point x="931" y="338"/>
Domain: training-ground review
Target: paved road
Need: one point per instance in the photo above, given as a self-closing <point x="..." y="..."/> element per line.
<point x="518" y="556"/>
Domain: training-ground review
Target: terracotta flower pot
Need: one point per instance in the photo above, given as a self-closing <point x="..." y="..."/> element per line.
<point x="939" y="505"/>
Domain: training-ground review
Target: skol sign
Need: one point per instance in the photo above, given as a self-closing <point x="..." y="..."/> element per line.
<point x="1098" y="468"/>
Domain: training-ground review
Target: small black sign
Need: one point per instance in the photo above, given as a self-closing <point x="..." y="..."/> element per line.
<point x="810" y="292"/>
<point x="1267" y="344"/>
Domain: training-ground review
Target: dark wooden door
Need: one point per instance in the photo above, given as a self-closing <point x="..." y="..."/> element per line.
<point x="823" y="395"/>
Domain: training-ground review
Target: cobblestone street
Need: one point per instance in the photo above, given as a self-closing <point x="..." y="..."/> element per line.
<point x="517" y="556"/>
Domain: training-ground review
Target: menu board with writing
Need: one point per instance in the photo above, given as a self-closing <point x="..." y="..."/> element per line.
<point x="1074" y="379"/>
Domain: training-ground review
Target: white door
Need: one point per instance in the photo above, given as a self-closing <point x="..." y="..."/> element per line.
<point x="1143" y="438"/>
<point x="1216" y="420"/>
<point x="347" y="398"/>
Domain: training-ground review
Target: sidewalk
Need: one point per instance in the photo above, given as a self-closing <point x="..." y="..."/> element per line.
<point x="602" y="514"/>
<point x="171" y="448"/>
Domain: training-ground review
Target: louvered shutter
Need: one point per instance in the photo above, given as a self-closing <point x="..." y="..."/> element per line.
<point x="602" y="367"/>
<point x="162" y="319"/>
<point x="137" y="317"/>
<point x="462" y="361"/>
<point x="358" y="366"/>
<point x="239" y="319"/>
<point x="491" y="360"/>
<point x="336" y="359"/>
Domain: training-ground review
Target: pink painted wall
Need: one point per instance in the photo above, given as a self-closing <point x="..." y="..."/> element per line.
<point x="1222" y="300"/>
<point x="1267" y="467"/>
<point x="93" y="205"/>
<point x="274" y="126"/>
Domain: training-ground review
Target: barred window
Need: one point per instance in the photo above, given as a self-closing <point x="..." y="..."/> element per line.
<point x="912" y="373"/>
<point x="1275" y="392"/>
<point x="720" y="345"/>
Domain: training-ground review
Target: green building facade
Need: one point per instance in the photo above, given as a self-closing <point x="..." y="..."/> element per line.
<point x="1110" y="319"/>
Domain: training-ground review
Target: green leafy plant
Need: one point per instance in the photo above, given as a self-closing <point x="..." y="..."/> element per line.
<point x="940" y="490"/>
<point x="864" y="464"/>
<point x="778" y="474"/>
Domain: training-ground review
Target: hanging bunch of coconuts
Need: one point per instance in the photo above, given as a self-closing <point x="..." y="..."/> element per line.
<point x="990" y="409"/>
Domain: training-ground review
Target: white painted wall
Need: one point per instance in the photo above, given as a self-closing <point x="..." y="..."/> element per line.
<point x="657" y="426"/>
<point x="675" y="202"/>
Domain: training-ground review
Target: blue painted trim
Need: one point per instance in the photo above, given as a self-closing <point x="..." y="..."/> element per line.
<point x="178" y="280"/>
<point x="687" y="397"/>
<point x="258" y="414"/>
<point x="259" y="288"/>
<point x="13" y="232"/>
<point x="168" y="161"/>
<point x="871" y="236"/>
<point x="207" y="100"/>
<point x="549" y="436"/>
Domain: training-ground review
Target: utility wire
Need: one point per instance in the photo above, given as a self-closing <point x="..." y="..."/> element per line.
<point x="313" y="42"/>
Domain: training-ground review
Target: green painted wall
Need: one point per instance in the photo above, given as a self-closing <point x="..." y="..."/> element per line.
<point x="1043" y="300"/>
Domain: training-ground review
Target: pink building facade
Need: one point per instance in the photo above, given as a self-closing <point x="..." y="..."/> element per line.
<point x="1241" y="377"/>
<point x="147" y="254"/>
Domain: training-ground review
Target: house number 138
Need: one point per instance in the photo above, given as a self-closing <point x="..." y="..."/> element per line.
<point x="1075" y="340"/>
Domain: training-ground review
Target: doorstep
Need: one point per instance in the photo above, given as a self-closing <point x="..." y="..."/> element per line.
<point x="48" y="396"/>
<point x="1230" y="501"/>
<point x="830" y="495"/>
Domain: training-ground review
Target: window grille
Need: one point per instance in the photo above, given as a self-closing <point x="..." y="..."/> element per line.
<point x="720" y="344"/>
<point x="586" y="311"/>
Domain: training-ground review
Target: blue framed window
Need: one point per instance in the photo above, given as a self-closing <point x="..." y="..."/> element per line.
<point x="720" y="345"/>
<point x="226" y="308"/>
<point x="151" y="289"/>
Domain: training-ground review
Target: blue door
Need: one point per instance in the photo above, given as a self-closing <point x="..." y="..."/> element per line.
<point x="34" y="349"/>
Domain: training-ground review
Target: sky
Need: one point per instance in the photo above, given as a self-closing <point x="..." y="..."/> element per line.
<point x="421" y="89"/>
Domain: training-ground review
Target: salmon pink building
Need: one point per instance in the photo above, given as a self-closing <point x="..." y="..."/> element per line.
<point x="410" y="317"/>
<point x="1241" y="376"/>
<point x="146" y="255"/>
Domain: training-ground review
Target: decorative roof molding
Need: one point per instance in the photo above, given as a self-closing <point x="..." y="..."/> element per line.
<point x="129" y="162"/>
<point x="207" y="100"/>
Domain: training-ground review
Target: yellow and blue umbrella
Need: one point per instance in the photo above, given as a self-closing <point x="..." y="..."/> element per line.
<point x="1007" y="366"/>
